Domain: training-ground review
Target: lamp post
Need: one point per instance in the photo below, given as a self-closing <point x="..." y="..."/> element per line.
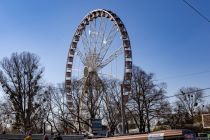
<point x="44" y="123"/>
<point x="44" y="128"/>
<point x="122" y="111"/>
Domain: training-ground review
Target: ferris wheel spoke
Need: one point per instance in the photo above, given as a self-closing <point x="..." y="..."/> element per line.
<point x="87" y="45"/>
<point x="106" y="74"/>
<point x="81" y="56"/>
<point x="92" y="32"/>
<point x="112" y="33"/>
<point x="96" y="34"/>
<point x="108" y="41"/>
<point x="111" y="57"/>
<point x="98" y="37"/>
<point x="85" y="41"/>
<point x="102" y="35"/>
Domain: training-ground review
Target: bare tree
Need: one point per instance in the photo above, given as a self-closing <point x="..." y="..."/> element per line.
<point x="76" y="109"/>
<point x="146" y="99"/>
<point x="62" y="116"/>
<point x="188" y="103"/>
<point x="207" y="108"/>
<point x="111" y="104"/>
<point x="20" y="78"/>
<point x="6" y="115"/>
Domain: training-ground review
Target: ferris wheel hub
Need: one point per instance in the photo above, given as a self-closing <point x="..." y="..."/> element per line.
<point x="90" y="69"/>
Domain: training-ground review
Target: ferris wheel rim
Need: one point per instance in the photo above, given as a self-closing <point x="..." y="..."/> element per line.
<point x="124" y="38"/>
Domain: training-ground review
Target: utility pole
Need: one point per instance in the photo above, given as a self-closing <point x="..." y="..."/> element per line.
<point x="122" y="111"/>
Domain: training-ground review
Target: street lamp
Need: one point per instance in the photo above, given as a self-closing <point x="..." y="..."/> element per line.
<point x="122" y="110"/>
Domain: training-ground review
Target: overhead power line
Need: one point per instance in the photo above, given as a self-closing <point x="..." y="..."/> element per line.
<point x="187" y="92"/>
<point x="206" y="96"/>
<point x="197" y="11"/>
<point x="184" y="75"/>
<point x="200" y="97"/>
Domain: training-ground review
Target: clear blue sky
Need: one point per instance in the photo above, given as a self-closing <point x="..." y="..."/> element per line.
<point x="168" y="38"/>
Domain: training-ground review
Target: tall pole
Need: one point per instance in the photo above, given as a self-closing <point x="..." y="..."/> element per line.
<point x="44" y="128"/>
<point x="122" y="111"/>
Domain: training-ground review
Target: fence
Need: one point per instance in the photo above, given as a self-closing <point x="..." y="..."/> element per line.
<point x="39" y="137"/>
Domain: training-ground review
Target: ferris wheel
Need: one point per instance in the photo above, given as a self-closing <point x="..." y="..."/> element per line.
<point x="100" y="39"/>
